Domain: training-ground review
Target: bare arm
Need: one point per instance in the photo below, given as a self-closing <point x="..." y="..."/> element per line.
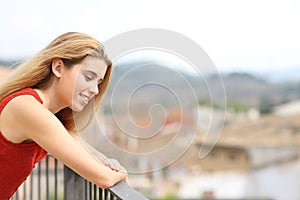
<point x="33" y="121"/>
<point x="112" y="163"/>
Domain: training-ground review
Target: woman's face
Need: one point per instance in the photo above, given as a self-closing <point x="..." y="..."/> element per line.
<point x="81" y="82"/>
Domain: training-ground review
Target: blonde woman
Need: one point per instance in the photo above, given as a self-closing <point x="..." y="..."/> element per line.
<point x="39" y="103"/>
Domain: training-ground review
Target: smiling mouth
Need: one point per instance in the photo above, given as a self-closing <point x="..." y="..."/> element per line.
<point x="85" y="98"/>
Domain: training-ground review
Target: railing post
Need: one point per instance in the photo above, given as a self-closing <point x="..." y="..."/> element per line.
<point x="74" y="185"/>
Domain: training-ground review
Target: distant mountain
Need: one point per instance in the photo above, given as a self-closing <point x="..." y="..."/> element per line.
<point x="253" y="91"/>
<point x="146" y="84"/>
<point x="288" y="74"/>
<point x="10" y="63"/>
<point x="244" y="88"/>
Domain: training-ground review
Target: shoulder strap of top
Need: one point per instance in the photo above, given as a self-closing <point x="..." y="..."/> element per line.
<point x="25" y="91"/>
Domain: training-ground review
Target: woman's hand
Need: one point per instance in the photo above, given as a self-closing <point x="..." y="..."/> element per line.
<point x="113" y="164"/>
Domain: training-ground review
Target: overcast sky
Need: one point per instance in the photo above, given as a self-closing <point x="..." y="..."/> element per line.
<point x="238" y="35"/>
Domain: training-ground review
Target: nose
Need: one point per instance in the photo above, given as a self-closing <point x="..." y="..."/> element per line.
<point x="94" y="89"/>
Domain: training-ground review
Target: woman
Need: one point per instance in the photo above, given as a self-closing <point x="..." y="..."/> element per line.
<point x="39" y="105"/>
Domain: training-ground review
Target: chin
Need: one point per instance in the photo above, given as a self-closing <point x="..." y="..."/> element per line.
<point x="78" y="105"/>
<point x="77" y="108"/>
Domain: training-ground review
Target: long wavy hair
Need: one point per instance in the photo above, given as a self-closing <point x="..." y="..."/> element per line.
<point x="72" y="48"/>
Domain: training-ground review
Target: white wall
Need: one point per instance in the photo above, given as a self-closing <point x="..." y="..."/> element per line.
<point x="281" y="182"/>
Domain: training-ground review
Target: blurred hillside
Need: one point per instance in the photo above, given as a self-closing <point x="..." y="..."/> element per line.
<point x="9" y="63"/>
<point x="243" y="90"/>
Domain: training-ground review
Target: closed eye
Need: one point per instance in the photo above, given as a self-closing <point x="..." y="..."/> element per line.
<point x="88" y="78"/>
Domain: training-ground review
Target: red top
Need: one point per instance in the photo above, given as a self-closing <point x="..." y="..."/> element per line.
<point x="17" y="160"/>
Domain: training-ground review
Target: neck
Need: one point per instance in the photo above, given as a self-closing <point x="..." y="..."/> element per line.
<point x="49" y="98"/>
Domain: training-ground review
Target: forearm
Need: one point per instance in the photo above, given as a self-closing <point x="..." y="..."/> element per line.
<point x="112" y="177"/>
<point x="107" y="176"/>
<point x="72" y="153"/>
<point x="89" y="168"/>
<point x="112" y="163"/>
<point x="101" y="175"/>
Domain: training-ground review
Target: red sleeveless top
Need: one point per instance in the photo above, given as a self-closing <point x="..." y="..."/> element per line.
<point x="17" y="160"/>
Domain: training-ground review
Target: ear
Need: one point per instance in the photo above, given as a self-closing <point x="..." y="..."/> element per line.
<point x="57" y="67"/>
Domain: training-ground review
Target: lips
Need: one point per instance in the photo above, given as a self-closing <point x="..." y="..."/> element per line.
<point x="85" y="98"/>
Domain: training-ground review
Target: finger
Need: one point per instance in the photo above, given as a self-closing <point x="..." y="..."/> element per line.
<point x="114" y="164"/>
<point x="123" y="169"/>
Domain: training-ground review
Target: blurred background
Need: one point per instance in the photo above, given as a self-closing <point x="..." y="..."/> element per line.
<point x="254" y="46"/>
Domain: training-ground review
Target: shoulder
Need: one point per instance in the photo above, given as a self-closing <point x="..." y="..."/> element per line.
<point x="25" y="91"/>
<point x="27" y="107"/>
<point x="23" y="103"/>
<point x="23" y="116"/>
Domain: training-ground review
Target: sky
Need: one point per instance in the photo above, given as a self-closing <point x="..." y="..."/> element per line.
<point x="238" y="35"/>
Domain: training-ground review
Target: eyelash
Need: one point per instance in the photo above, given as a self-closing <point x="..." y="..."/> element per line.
<point x="88" y="78"/>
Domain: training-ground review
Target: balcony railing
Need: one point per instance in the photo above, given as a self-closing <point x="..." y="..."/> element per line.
<point x="51" y="180"/>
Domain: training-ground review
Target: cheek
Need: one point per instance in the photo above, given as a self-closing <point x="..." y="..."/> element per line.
<point x="80" y="83"/>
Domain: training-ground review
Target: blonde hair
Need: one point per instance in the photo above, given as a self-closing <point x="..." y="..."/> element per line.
<point x="36" y="72"/>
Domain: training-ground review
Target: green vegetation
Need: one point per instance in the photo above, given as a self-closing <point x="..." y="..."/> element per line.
<point x="52" y="197"/>
<point x="170" y="196"/>
<point x="204" y="102"/>
<point x="265" y="108"/>
<point x="208" y="103"/>
<point x="236" y="107"/>
<point x="231" y="105"/>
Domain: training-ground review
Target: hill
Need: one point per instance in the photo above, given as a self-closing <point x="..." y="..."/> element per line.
<point x="153" y="83"/>
<point x="148" y="84"/>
